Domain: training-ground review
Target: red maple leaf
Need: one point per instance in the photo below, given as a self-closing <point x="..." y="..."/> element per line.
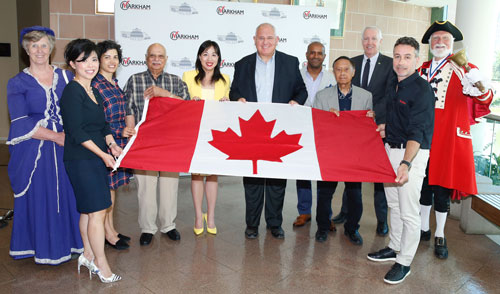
<point x="255" y="142"/>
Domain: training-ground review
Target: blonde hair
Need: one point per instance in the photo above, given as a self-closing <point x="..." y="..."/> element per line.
<point x="35" y="36"/>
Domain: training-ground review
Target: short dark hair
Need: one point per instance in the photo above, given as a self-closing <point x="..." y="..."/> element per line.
<point x="346" y="58"/>
<point x="201" y="73"/>
<point x="77" y="47"/>
<point x="410" y="42"/>
<point x="104" y="46"/>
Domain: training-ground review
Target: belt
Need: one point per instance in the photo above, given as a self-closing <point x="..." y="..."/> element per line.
<point x="397" y="145"/>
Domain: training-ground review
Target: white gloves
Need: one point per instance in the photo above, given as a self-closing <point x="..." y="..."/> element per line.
<point x="472" y="77"/>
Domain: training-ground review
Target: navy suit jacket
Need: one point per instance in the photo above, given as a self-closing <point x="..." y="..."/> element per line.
<point x="378" y="84"/>
<point x="288" y="84"/>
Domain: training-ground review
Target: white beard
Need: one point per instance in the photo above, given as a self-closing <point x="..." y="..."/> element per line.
<point x="440" y="53"/>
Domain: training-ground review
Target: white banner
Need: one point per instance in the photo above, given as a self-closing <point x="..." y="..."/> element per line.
<point x="181" y="26"/>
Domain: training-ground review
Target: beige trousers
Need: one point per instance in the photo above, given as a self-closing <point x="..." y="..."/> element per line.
<point x="404" y="205"/>
<point x="151" y="206"/>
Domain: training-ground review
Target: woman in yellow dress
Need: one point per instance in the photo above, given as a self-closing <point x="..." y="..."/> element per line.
<point x="206" y="82"/>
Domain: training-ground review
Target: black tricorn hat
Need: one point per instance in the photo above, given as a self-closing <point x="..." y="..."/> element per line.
<point x="442" y="26"/>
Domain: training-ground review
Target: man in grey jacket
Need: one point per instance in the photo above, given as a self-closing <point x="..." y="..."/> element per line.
<point x="342" y="97"/>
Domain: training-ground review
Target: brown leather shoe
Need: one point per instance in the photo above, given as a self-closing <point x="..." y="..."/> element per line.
<point x="301" y="220"/>
<point x="332" y="226"/>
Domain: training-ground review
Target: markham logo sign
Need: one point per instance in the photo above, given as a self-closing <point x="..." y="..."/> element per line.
<point x="126" y="61"/>
<point x="222" y="10"/>
<point x="176" y="35"/>
<point x="225" y="64"/>
<point x="126" y="5"/>
<point x="309" y="15"/>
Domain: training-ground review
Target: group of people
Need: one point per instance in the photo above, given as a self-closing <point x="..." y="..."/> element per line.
<point x="68" y="127"/>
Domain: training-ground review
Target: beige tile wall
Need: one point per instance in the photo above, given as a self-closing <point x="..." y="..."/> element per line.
<point x="72" y="19"/>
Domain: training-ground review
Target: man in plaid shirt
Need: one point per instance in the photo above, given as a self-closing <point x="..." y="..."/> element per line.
<point x="154" y="83"/>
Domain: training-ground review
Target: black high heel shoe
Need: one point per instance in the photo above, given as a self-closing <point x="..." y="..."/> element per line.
<point x="119" y="245"/>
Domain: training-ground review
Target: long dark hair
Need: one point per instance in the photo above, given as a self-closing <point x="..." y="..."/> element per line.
<point x="201" y="73"/>
<point x="77" y="47"/>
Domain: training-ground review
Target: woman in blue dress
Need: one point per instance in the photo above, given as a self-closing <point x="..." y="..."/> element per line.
<point x="45" y="223"/>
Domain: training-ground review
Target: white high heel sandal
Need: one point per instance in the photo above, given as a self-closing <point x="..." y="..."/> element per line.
<point x="89" y="264"/>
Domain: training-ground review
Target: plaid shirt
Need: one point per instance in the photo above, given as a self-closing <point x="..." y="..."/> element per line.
<point x="113" y="102"/>
<point x="138" y="83"/>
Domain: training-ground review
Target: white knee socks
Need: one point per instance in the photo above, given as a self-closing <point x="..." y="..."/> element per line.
<point x="425" y="212"/>
<point x="440" y="222"/>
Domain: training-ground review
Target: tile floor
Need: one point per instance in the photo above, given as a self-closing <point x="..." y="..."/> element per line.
<point x="228" y="263"/>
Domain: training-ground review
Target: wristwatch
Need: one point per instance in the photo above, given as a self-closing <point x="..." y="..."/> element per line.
<point x="406" y="162"/>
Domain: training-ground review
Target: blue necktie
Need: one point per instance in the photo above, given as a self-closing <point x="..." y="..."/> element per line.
<point x="366" y="72"/>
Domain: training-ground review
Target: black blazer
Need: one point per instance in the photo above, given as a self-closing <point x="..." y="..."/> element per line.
<point x="378" y="85"/>
<point x="288" y="84"/>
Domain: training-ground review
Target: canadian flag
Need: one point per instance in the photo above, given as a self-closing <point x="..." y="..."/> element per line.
<point x="268" y="140"/>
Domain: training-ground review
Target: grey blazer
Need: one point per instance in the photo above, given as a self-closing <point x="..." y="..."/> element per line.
<point x="328" y="98"/>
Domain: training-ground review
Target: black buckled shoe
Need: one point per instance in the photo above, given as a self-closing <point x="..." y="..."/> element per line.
<point x="354" y="237"/>
<point x="321" y="236"/>
<point x="339" y="218"/>
<point x="173" y="235"/>
<point x="382" y="229"/>
<point x="440" y="248"/>
<point x="397" y="274"/>
<point x="251" y="232"/>
<point x="425" y="235"/>
<point x="145" y="238"/>
<point x="386" y="254"/>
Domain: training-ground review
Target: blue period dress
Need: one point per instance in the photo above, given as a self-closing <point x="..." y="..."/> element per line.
<point x="45" y="222"/>
<point x="114" y="103"/>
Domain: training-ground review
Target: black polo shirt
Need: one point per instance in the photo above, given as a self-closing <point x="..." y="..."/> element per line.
<point x="410" y="112"/>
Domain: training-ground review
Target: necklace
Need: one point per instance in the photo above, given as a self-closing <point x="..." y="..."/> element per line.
<point x="88" y="90"/>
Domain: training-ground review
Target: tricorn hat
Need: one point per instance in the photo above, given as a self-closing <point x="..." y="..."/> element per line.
<point x="446" y="26"/>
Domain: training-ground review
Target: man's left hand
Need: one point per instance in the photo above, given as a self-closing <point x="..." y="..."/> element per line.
<point x="402" y="174"/>
<point x="292" y="102"/>
<point x="370" y="113"/>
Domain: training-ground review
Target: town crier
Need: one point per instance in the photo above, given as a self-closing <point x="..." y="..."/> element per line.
<point x="460" y="101"/>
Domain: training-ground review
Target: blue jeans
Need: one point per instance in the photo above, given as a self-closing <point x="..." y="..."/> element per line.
<point x="304" y="197"/>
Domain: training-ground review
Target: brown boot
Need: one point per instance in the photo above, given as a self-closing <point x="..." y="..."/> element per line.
<point x="301" y="220"/>
<point x="332" y="226"/>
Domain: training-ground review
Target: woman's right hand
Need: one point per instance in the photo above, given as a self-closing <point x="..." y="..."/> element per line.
<point x="196" y="98"/>
<point x="108" y="159"/>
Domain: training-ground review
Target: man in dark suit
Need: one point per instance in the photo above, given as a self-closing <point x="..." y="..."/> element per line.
<point x="373" y="72"/>
<point x="266" y="76"/>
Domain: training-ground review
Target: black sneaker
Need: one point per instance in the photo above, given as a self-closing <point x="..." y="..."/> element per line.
<point x="425" y="235"/>
<point x="386" y="254"/>
<point x="440" y="248"/>
<point x="397" y="274"/>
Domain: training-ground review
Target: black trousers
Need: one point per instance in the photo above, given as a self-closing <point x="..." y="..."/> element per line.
<point x="256" y="191"/>
<point x="353" y="200"/>
<point x="440" y="195"/>
<point x="379" y="202"/>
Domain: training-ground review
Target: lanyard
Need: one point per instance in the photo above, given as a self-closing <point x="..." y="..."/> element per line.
<point x="431" y="72"/>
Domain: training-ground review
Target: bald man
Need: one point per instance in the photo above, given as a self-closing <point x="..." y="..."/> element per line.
<point x="154" y="82"/>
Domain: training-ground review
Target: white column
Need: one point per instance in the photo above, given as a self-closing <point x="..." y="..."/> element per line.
<point x="478" y="22"/>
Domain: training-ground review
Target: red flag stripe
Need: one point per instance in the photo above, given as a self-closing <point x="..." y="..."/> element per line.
<point x="165" y="144"/>
<point x="338" y="138"/>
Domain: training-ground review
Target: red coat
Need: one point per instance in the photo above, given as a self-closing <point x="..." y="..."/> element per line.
<point x="451" y="161"/>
